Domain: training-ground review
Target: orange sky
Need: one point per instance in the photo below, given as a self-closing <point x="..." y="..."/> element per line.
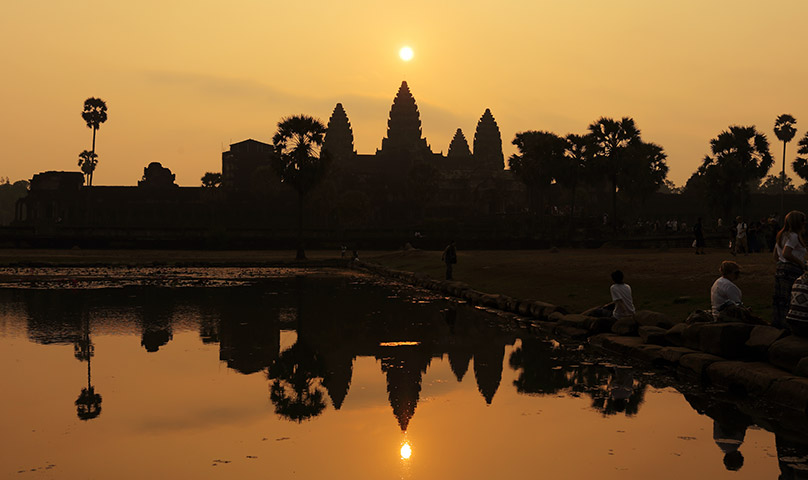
<point x="183" y="79"/>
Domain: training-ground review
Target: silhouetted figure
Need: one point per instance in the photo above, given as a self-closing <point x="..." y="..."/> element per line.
<point x="698" y="232"/>
<point x="621" y="296"/>
<point x="724" y="292"/>
<point x="449" y="257"/>
<point x="729" y="438"/>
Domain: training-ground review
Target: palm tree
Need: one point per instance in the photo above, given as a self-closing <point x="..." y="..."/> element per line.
<point x="800" y="165"/>
<point x="740" y="156"/>
<point x="785" y="131"/>
<point x="95" y="113"/>
<point x="300" y="161"/>
<point x="611" y="137"/>
<point x="87" y="162"/>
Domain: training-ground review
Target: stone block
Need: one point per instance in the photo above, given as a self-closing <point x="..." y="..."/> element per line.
<point x="555" y="316"/>
<point x="542" y="327"/>
<point x="648" y="353"/>
<point x="691" y="336"/>
<point x="601" y="325"/>
<point x="802" y="368"/>
<point x="598" y="339"/>
<point x="622" y="345"/>
<point x="541" y="309"/>
<point x="746" y="378"/>
<point x="576" y="320"/>
<point x="674" y="334"/>
<point x="787" y="352"/>
<point x="625" y="326"/>
<point x="490" y="301"/>
<point x="673" y="354"/>
<point x="653" y="335"/>
<point x="726" y="340"/>
<point x="697" y="363"/>
<point x="524" y="308"/>
<point x="503" y="301"/>
<point x="648" y="318"/>
<point x="761" y="338"/>
<point x="791" y="393"/>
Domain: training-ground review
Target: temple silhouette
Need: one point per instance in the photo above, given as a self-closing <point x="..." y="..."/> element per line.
<point x="402" y="185"/>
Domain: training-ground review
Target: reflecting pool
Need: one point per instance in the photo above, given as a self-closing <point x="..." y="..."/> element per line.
<point x="333" y="375"/>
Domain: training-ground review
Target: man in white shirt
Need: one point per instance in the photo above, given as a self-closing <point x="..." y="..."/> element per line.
<point x="740" y="237"/>
<point x="724" y="292"/>
<point x="621" y="296"/>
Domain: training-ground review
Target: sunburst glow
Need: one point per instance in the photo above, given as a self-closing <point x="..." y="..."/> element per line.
<point x="406" y="451"/>
<point x="406" y="53"/>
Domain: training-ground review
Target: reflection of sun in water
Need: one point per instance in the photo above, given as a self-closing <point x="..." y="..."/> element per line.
<point x="406" y="451"/>
<point x="406" y="54"/>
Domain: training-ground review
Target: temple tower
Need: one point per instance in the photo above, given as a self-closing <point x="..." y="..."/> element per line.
<point x="488" y="143"/>
<point x="404" y="128"/>
<point x="459" y="148"/>
<point x="339" y="139"/>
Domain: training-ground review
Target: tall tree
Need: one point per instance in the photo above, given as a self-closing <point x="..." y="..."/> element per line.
<point x="300" y="161"/>
<point x="612" y="137"/>
<point x="800" y="165"/>
<point x="87" y="163"/>
<point x="740" y="156"/>
<point x="785" y="131"/>
<point x="578" y="154"/>
<point x="644" y="170"/>
<point x="95" y="113"/>
<point x="537" y="163"/>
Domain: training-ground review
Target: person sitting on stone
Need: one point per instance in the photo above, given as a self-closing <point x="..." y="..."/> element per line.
<point x="797" y="317"/>
<point x="621" y="296"/>
<point x="724" y="293"/>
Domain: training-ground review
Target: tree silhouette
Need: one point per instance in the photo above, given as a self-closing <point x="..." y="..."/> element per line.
<point x="773" y="184"/>
<point x="644" y="170"/>
<point x="95" y="113"/>
<point x="578" y="154"/>
<point x="88" y="405"/>
<point x="87" y="163"/>
<point x="537" y="163"/>
<point x="212" y="179"/>
<point x="611" y="138"/>
<point x="299" y="160"/>
<point x="740" y="156"/>
<point x="294" y="391"/>
<point x="800" y="165"/>
<point x="785" y="131"/>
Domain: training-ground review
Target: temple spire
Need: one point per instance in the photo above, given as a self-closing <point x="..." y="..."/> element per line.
<point x="459" y="146"/>
<point x="488" y="143"/>
<point x="404" y="126"/>
<point x="339" y="136"/>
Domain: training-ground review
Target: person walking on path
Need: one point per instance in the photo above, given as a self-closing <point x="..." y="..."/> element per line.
<point x="698" y="232"/>
<point x="449" y="257"/>
<point x="740" y="237"/>
<point x="789" y="253"/>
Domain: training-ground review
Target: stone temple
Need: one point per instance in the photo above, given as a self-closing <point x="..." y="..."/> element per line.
<point x="402" y="186"/>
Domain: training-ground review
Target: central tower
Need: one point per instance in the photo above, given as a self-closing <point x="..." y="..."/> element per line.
<point x="404" y="128"/>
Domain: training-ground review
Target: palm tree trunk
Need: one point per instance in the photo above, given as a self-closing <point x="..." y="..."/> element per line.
<point x="92" y="158"/>
<point x="301" y="254"/>
<point x="783" y="181"/>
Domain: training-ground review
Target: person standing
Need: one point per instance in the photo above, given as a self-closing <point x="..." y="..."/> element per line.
<point x="449" y="257"/>
<point x="698" y="232"/>
<point x="740" y="237"/>
<point x="789" y="253"/>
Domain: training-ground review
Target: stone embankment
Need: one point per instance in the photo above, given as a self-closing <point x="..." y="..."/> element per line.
<point x="745" y="359"/>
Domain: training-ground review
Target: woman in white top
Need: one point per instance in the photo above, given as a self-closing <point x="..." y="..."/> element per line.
<point x="789" y="253"/>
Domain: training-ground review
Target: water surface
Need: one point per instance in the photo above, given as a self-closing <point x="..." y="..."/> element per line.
<point x="334" y="376"/>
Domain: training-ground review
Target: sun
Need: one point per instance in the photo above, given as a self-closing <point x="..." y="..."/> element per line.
<point x="406" y="54"/>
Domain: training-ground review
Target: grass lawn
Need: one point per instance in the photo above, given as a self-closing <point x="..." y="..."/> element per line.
<point x="674" y="281"/>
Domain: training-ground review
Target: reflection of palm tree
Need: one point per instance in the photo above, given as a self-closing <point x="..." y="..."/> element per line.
<point x="294" y="392"/>
<point x="88" y="405"/>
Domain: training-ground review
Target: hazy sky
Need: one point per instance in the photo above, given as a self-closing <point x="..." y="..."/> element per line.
<point x="183" y="79"/>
